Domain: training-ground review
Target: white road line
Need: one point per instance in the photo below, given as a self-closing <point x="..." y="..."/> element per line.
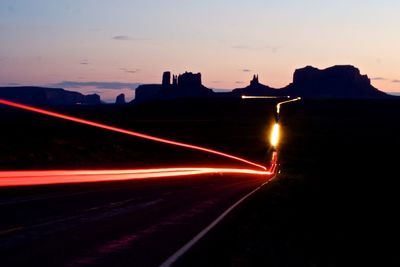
<point x="172" y="259"/>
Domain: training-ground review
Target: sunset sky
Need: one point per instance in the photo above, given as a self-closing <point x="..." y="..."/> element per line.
<point x="108" y="47"/>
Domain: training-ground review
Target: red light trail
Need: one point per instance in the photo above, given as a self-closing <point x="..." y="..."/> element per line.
<point x="25" y="178"/>
<point x="120" y="130"/>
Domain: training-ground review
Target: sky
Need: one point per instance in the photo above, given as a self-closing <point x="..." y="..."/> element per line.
<point x="109" y="47"/>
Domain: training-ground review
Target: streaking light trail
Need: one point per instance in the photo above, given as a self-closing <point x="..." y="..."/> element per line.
<point x="25" y="178"/>
<point x="275" y="130"/>
<point x="278" y="106"/>
<point x="132" y="133"/>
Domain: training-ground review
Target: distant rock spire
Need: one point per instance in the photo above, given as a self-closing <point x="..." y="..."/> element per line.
<point x="255" y="80"/>
<point x="175" y="80"/>
<point x="166" y="79"/>
<point x="120" y="99"/>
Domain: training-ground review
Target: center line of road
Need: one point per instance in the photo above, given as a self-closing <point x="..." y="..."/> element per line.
<point x="11" y="230"/>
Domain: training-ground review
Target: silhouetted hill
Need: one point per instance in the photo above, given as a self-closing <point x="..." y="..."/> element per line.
<point x="257" y="89"/>
<point x="40" y="96"/>
<point x="185" y="85"/>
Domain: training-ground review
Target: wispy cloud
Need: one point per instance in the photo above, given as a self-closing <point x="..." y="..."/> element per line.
<point x="130" y="71"/>
<point x="378" y="79"/>
<point x="122" y="38"/>
<point x="127" y="38"/>
<point x="98" y="85"/>
<point x="396" y="81"/>
<point x="239" y="82"/>
<point x="246" y="70"/>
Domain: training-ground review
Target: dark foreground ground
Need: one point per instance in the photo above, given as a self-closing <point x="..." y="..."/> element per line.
<point x="334" y="203"/>
<point x="32" y="141"/>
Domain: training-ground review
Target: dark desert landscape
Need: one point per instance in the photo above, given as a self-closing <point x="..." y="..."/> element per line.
<point x="172" y="133"/>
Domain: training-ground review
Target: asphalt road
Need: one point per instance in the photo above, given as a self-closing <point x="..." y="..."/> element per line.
<point x="129" y="223"/>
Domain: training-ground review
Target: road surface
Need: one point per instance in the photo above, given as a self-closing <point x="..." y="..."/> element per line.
<point x="128" y="223"/>
<point x="132" y="222"/>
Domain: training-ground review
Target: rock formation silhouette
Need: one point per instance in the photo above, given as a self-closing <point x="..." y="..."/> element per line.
<point x="340" y="82"/>
<point x="255" y="88"/>
<point x="335" y="82"/>
<point x="120" y="100"/>
<point x="343" y="82"/>
<point x="40" y="96"/>
<point x="187" y="84"/>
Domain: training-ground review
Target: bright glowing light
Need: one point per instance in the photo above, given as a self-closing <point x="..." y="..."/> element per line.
<point x="275" y="135"/>
<point x="132" y="133"/>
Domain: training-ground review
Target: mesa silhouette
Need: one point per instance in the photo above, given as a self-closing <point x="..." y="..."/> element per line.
<point x="185" y="85"/>
<point x="337" y="82"/>
<point x="42" y="96"/>
<point x="309" y="82"/>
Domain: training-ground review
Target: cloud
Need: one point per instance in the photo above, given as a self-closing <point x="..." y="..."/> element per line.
<point x="127" y="38"/>
<point x="239" y="82"/>
<point x="94" y="92"/>
<point x="130" y="71"/>
<point x="122" y="38"/>
<point x="396" y="81"/>
<point x="378" y="79"/>
<point x="84" y="62"/>
<point x="98" y="85"/>
<point x="216" y="81"/>
<point x="246" y="70"/>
